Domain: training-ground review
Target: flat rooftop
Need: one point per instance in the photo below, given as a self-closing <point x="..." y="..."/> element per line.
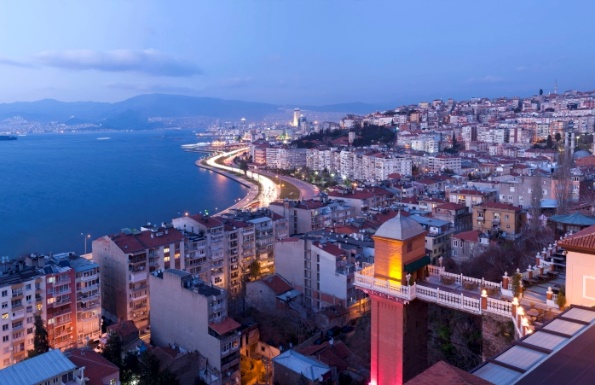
<point x="561" y="352"/>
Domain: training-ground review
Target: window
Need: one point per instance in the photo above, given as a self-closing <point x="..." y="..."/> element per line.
<point x="455" y="243"/>
<point x="28" y="286"/>
<point x="51" y="279"/>
<point x="4" y="305"/>
<point x="4" y="327"/>
<point x="506" y="216"/>
<point x="4" y="315"/>
<point x="4" y="293"/>
<point x="5" y="338"/>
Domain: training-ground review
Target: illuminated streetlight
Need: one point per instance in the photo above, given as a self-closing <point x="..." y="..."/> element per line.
<point x="85" y="237"/>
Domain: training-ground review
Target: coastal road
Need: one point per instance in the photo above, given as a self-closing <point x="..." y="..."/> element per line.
<point x="307" y="190"/>
<point x="268" y="192"/>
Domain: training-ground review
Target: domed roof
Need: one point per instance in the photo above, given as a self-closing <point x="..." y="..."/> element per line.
<point x="400" y="228"/>
<point x="581" y="154"/>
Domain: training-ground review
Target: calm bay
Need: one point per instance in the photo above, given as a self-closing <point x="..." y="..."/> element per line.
<point x="55" y="187"/>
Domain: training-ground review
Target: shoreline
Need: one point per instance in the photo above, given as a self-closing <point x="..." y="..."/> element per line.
<point x="253" y="188"/>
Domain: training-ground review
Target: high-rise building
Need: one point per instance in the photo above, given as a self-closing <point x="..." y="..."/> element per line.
<point x="296" y="117"/>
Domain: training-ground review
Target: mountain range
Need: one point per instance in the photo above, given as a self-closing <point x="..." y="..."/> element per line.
<point x="134" y="112"/>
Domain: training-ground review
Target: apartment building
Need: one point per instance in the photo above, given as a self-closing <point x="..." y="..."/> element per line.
<point x="126" y="259"/>
<point x="501" y="219"/>
<point x="321" y="268"/>
<point x="220" y="249"/>
<point x="60" y="305"/>
<point x="362" y="199"/>
<point x="468" y="245"/>
<point x="471" y="197"/>
<point x="305" y="216"/>
<point x="196" y="320"/>
<point x="458" y="215"/>
<point x="22" y="295"/>
<point x="438" y="233"/>
<point x="440" y="163"/>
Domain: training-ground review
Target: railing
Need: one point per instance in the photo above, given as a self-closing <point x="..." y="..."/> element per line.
<point x="365" y="279"/>
<point x="499" y="307"/>
<point x="459" y="279"/>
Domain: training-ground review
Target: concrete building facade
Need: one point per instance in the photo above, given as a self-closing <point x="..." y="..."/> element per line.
<point x="196" y="320"/>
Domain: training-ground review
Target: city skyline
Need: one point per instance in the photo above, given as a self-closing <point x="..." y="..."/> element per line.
<point x="288" y="53"/>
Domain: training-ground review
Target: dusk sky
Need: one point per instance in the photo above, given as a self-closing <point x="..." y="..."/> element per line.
<point x="294" y="51"/>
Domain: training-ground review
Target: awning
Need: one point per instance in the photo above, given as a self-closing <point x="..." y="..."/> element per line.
<point x="417" y="264"/>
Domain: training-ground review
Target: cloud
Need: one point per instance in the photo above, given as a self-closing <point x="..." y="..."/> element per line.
<point x="148" y="61"/>
<point x="14" y="63"/>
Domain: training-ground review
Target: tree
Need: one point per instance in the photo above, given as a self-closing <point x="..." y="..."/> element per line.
<point x="148" y="366"/>
<point x="563" y="184"/>
<point x="41" y="342"/>
<point x="254" y="270"/>
<point x="536" y="197"/>
<point x="558" y="137"/>
<point x="244" y="165"/>
<point x="550" y="143"/>
<point x="561" y="299"/>
<point x="516" y="284"/>
<point x="540" y="91"/>
<point x="113" y="350"/>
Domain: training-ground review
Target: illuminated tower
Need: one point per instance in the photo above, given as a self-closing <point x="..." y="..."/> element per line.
<point x="296" y="117"/>
<point x="398" y="326"/>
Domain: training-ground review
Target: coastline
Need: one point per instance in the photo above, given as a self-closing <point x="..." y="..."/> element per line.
<point x="251" y="196"/>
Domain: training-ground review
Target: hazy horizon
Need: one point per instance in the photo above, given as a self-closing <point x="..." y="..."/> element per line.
<point x="289" y="53"/>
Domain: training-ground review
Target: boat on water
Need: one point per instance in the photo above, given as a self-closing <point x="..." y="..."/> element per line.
<point x="104" y="138"/>
<point x="8" y="137"/>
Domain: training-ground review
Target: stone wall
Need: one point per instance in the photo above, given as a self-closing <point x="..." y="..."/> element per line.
<point x="498" y="334"/>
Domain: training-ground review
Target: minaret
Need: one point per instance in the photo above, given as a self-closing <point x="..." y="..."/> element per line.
<point x="556" y="87"/>
<point x="398" y="326"/>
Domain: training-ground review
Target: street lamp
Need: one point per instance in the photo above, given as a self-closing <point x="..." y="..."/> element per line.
<point x="85" y="237"/>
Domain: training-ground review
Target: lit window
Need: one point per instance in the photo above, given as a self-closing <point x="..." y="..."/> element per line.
<point x="4" y="315"/>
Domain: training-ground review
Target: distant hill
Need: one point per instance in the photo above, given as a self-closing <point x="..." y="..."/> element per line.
<point x="134" y="112"/>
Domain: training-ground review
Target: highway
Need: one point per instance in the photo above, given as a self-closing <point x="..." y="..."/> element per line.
<point x="269" y="192"/>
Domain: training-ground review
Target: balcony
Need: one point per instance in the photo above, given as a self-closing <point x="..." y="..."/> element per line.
<point x="88" y="277"/>
<point x="137" y="276"/>
<point x="481" y="219"/>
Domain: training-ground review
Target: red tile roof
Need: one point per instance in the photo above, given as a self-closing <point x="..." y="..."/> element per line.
<point x="206" y="220"/>
<point x="500" y="206"/>
<point x="277" y="284"/>
<point x="583" y="241"/>
<point x="331" y="249"/>
<point x="96" y="366"/>
<point x="445" y="374"/>
<point x="225" y="326"/>
<point x="132" y="243"/>
<point x="451" y="206"/>
<point x="469" y="236"/>
<point x="123" y="329"/>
